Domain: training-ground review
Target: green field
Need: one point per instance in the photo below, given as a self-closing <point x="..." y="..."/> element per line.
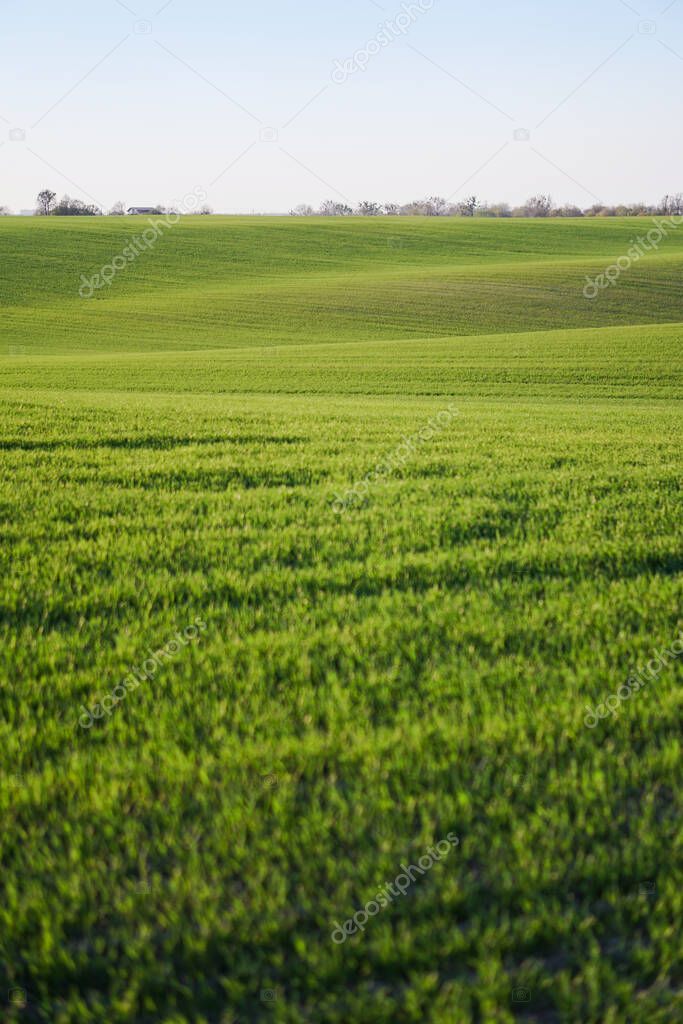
<point x="365" y="681"/>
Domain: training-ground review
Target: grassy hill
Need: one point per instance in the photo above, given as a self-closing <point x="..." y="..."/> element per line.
<point x="382" y="661"/>
<point x="236" y="282"/>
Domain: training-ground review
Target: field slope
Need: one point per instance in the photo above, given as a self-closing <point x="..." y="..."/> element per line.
<point x="378" y="664"/>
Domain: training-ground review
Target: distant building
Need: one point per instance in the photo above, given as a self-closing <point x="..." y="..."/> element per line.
<point x="136" y="210"/>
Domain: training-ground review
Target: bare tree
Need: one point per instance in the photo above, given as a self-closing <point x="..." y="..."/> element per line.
<point x="5" y="211"/>
<point x="672" y="205"/>
<point x="438" y="207"/>
<point x="368" y="209"/>
<point x="118" y="210"/>
<point x="538" y="206"/>
<point x="46" y="202"/>
<point x="391" y="209"/>
<point x="204" y="210"/>
<point x="468" y="207"/>
<point x="302" y="210"/>
<point x="330" y="208"/>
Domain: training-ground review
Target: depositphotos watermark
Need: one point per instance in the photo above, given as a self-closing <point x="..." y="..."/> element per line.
<point x="388" y="32"/>
<point x="634" y="683"/>
<point x="386" y="894"/>
<point x="138" y="675"/>
<point x="639" y="247"/>
<point x="395" y="459"/>
<point x="139" y="244"/>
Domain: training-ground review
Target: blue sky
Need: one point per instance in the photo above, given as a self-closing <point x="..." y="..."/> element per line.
<point x="122" y="100"/>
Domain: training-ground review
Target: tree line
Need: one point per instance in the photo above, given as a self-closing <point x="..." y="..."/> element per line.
<point x="48" y="206"/>
<point x="433" y="206"/>
<point x="536" y="206"/>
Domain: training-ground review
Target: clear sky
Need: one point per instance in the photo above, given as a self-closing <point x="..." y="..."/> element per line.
<point x="143" y="103"/>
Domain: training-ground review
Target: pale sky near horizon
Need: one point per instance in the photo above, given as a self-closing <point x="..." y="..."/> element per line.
<point x="144" y="101"/>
